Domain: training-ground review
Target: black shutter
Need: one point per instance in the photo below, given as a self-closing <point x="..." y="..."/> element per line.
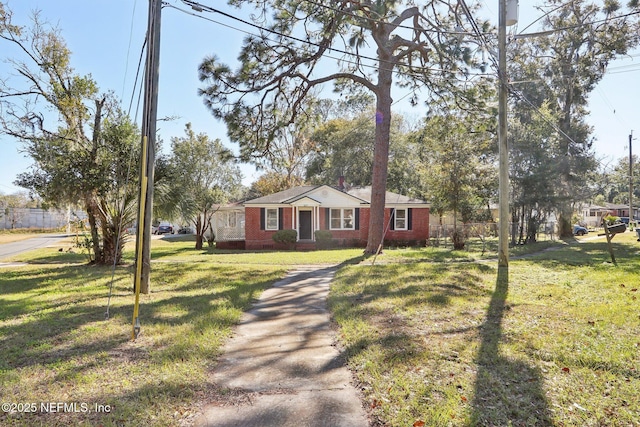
<point x="357" y="218"/>
<point x="327" y="216"/>
<point x="392" y="218"/>
<point x="409" y="218"/>
<point x="262" y="215"/>
<point x="280" y="218"/>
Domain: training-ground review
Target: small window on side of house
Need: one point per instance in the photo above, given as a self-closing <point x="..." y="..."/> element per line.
<point x="401" y="219"/>
<point x="271" y="220"/>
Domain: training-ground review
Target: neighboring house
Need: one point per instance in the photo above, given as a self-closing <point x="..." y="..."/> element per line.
<point x="592" y="214"/>
<point x="345" y="214"/>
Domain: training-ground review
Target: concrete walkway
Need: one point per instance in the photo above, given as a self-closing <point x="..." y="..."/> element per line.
<point x="281" y="368"/>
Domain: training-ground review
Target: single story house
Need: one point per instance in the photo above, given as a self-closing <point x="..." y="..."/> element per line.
<point x="345" y="213"/>
<point x="592" y="214"/>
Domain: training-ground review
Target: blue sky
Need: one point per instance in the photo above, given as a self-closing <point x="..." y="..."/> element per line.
<point x="105" y="37"/>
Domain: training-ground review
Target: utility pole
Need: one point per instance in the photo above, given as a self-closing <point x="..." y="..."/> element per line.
<point x="503" y="164"/>
<point x="147" y="161"/>
<point x="630" y="183"/>
<point x="150" y="112"/>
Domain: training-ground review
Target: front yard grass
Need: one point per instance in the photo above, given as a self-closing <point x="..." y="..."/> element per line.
<point x="55" y="345"/>
<point x="433" y="335"/>
<point x="180" y="249"/>
<point x="459" y="343"/>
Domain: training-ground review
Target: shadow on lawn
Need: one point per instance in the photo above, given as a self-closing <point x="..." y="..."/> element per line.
<point x="507" y="391"/>
<point x="51" y="333"/>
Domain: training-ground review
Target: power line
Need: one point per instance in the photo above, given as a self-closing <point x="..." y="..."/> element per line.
<point x="198" y="7"/>
<point x="126" y="66"/>
<point x="377" y="21"/>
<point x="626" y="71"/>
<point x="571" y="27"/>
<point x="201" y="7"/>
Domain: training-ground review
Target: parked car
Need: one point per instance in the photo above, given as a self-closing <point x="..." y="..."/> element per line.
<point x="165" y="229"/>
<point x="133" y="230"/>
<point x="186" y="230"/>
<point x="579" y="230"/>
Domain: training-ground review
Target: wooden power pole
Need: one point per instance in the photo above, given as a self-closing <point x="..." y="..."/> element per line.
<point x="503" y="156"/>
<point x="630" y="183"/>
<point x="149" y="116"/>
<point x="148" y="154"/>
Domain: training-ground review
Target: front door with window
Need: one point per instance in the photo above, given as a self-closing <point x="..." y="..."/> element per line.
<point x="305" y="225"/>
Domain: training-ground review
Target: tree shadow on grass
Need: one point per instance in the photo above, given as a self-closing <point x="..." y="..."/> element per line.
<point x="507" y="391"/>
<point x="49" y="332"/>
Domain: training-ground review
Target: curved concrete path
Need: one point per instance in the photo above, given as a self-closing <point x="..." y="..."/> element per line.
<point x="281" y="368"/>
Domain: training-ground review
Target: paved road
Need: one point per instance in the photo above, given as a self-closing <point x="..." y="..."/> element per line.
<point x="282" y="369"/>
<point x="8" y="250"/>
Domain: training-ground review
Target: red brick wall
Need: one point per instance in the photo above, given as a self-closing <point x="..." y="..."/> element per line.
<point x="419" y="226"/>
<point x="261" y="239"/>
<point x="348" y="237"/>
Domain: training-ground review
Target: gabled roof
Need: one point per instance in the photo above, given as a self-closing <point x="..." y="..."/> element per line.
<point x="283" y="197"/>
<point x="391" y="198"/>
<point x="361" y="195"/>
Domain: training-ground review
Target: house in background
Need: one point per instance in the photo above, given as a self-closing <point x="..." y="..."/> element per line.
<point x="345" y="213"/>
<point x="592" y="214"/>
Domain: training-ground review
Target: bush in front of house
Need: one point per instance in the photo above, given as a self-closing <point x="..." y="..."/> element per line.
<point x="400" y="243"/>
<point x="286" y="237"/>
<point x="324" y="239"/>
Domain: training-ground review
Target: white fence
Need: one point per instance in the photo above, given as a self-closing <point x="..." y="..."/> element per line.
<point x="12" y="218"/>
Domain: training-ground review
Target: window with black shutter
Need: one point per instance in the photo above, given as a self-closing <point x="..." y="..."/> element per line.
<point x="393" y="219"/>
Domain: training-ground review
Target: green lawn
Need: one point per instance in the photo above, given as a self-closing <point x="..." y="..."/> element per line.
<point x="55" y="345"/>
<point x="431" y="334"/>
<point x="180" y="249"/>
<point x="457" y="343"/>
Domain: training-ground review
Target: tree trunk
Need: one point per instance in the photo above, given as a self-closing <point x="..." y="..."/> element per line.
<point x="514" y="225"/>
<point x="90" y="205"/>
<point x="199" y="232"/>
<point x="380" y="158"/>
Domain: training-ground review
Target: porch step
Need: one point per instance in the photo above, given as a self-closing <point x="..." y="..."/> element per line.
<point x="305" y="245"/>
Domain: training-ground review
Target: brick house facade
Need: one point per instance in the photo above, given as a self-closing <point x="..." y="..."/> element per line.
<point x="345" y="214"/>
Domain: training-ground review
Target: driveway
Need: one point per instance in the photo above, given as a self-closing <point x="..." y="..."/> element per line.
<point x="8" y="250"/>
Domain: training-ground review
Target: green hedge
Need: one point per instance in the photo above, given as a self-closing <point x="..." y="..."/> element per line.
<point x="287" y="237"/>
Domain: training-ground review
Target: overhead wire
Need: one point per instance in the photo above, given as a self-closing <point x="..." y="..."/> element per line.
<point x="378" y="21"/>
<point x="200" y="7"/>
<point x="482" y="36"/>
<point x="126" y="65"/>
<point x="416" y="70"/>
<point x="611" y="107"/>
<point x="306" y="42"/>
<point x="571" y="27"/>
<point x="129" y="166"/>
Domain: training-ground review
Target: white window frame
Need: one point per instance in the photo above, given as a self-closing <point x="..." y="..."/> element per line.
<point x="405" y="219"/>
<point x="343" y="219"/>
<point x="266" y="219"/>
